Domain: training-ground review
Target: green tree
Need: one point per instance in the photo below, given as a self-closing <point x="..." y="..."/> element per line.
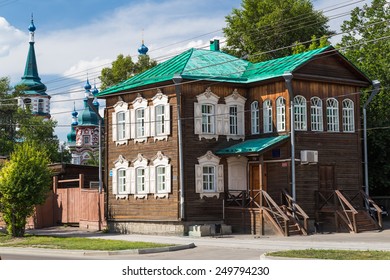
<point x="24" y="183"/>
<point x="315" y="44"/>
<point x="123" y="68"/>
<point x="261" y="26"/>
<point x="366" y="43"/>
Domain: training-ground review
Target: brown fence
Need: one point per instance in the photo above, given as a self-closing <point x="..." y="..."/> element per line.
<point x="70" y="203"/>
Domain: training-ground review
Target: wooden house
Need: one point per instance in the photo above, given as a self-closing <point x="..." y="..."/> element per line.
<point x="205" y="140"/>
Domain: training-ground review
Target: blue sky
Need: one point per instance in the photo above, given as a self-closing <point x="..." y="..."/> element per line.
<point x="78" y="38"/>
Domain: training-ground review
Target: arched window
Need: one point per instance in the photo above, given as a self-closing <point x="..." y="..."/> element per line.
<point x="267" y="116"/>
<point x="316" y="114"/>
<point x="27" y="104"/>
<point x="255" y="117"/>
<point x="332" y="115"/>
<point x="281" y="114"/>
<point x="41" y="105"/>
<point x="300" y="113"/>
<point x="348" y="116"/>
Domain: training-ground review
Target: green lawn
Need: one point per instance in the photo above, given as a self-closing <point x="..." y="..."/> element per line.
<point x="333" y="254"/>
<point x="74" y="243"/>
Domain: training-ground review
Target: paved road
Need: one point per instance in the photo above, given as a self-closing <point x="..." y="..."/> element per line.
<point x="234" y="247"/>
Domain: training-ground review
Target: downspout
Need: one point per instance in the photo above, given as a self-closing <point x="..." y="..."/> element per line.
<point x="288" y="78"/>
<point x="376" y="84"/>
<point x="177" y="80"/>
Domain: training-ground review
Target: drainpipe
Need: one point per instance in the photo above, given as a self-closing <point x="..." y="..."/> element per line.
<point x="177" y="80"/>
<point x="288" y="78"/>
<point x="376" y="84"/>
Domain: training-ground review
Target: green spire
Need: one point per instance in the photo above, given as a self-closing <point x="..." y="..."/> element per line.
<point x="31" y="79"/>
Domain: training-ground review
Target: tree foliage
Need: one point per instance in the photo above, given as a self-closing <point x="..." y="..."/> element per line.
<point x="367" y="44"/>
<point x="272" y="25"/>
<point x="123" y="68"/>
<point x="24" y="183"/>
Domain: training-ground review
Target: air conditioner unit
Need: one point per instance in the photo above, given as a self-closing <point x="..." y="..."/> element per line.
<point x="309" y="157"/>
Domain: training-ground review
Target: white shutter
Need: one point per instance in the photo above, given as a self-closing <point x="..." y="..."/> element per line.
<point x="198" y="178"/>
<point x="132" y="180"/>
<point x="197" y="118"/>
<point x="132" y="124"/>
<point x="220" y="110"/>
<point x="114" y="127"/>
<point x="147" y="180"/>
<point x="147" y="122"/>
<point x="168" y="181"/>
<point x="167" y="119"/>
<point x="240" y="120"/>
<point x="152" y="179"/>
<point x="152" y="121"/>
<point x="128" y="184"/>
<point x="127" y="125"/>
<point x="220" y="185"/>
<point x="114" y="182"/>
<point x="226" y="123"/>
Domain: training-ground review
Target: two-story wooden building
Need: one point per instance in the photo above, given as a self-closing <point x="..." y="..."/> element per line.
<point x="207" y="138"/>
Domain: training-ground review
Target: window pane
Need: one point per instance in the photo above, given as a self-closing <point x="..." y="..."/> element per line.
<point x="332" y="114"/>
<point x="121" y="180"/>
<point x="267" y="116"/>
<point x="160" y="178"/>
<point x="300" y="119"/>
<point x="281" y="114"/>
<point x="233" y="120"/>
<point x="316" y="114"/>
<point x="160" y="118"/>
<point x="140" y="123"/>
<point x="207" y="119"/>
<point x="140" y="180"/>
<point x="208" y="178"/>
<point x="348" y="116"/>
<point x="255" y="117"/>
<point x="121" y="125"/>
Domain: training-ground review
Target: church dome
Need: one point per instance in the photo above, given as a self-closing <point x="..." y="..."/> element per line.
<point x="32" y="27"/>
<point x="88" y="117"/>
<point x="142" y="50"/>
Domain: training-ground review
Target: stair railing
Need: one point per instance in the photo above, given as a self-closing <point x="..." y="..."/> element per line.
<point x="347" y="208"/>
<point x="296" y="211"/>
<point x="275" y="213"/>
<point x="371" y="204"/>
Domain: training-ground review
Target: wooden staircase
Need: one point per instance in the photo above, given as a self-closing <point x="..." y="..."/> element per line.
<point x="351" y="212"/>
<point x="288" y="219"/>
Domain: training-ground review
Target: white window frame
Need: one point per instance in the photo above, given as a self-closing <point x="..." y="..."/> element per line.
<point x="140" y="163"/>
<point x="206" y="161"/>
<point x="121" y="125"/>
<point x="316" y="115"/>
<point x="208" y="119"/>
<point x="121" y="180"/>
<point x="280" y="114"/>
<point x="348" y="115"/>
<point x="160" y="160"/>
<point x="163" y="121"/>
<point x="121" y="107"/>
<point x="234" y="124"/>
<point x="332" y="115"/>
<point x="255" y="122"/>
<point x="121" y="164"/>
<point x="210" y="99"/>
<point x="140" y="104"/>
<point x="300" y="113"/>
<point x="267" y="116"/>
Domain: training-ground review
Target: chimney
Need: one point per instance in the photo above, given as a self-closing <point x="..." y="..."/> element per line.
<point x="214" y="45"/>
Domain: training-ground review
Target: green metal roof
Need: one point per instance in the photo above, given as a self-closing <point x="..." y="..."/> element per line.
<point x="258" y="145"/>
<point x="197" y="64"/>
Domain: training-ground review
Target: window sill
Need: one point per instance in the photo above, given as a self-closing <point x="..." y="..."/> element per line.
<point x="161" y="195"/>
<point x="122" y="196"/>
<point x="140" y="196"/>
<point x="209" y="195"/>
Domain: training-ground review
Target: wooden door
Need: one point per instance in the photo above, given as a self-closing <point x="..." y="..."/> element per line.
<point x="255" y="183"/>
<point x="326" y="178"/>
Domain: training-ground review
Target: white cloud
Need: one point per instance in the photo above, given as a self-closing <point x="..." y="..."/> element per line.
<point x="9" y="37"/>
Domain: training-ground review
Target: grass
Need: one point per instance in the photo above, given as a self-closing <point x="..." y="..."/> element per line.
<point x="333" y="254"/>
<point x="73" y="243"/>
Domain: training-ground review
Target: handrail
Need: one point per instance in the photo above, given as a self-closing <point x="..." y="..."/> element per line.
<point x="278" y="213"/>
<point x="344" y="202"/>
<point x="296" y="209"/>
<point x="369" y="201"/>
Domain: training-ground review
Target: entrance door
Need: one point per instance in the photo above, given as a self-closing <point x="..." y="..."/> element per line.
<point x="255" y="184"/>
<point x="326" y="178"/>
